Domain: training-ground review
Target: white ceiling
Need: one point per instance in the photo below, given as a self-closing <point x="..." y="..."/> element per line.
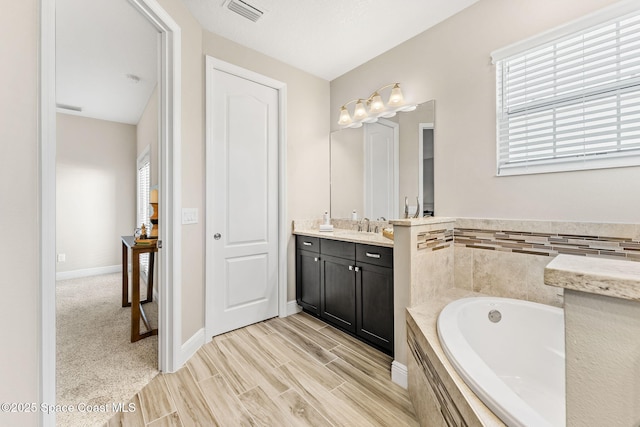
<point x="100" y="42"/>
<point x="326" y="38"/>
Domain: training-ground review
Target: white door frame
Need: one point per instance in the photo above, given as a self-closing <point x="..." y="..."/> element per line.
<point x="216" y="64"/>
<point x="169" y="156"/>
<point x="421" y="128"/>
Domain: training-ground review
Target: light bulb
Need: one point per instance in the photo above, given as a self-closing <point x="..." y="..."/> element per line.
<point x="396" y="99"/>
<point x="345" y="118"/>
<point x="360" y="112"/>
<point x="377" y="106"/>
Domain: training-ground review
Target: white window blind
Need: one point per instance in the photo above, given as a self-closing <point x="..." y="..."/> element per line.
<point x="144" y="178"/>
<point x="573" y="103"/>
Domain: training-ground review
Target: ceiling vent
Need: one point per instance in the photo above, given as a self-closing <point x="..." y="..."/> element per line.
<point x="245" y="9"/>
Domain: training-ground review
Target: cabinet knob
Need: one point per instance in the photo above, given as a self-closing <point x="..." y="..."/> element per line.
<point x="351" y="268"/>
<point x="357" y="269"/>
<point x="316" y="259"/>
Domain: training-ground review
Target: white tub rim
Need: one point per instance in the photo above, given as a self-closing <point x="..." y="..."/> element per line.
<point x="482" y="373"/>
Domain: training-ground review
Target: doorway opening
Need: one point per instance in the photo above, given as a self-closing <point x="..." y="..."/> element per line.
<point x="169" y="266"/>
<point x="427" y="158"/>
<point x="426" y="169"/>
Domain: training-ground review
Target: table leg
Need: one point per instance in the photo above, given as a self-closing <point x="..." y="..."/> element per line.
<point x="135" y="298"/>
<point x="125" y="275"/>
<point x="150" y="278"/>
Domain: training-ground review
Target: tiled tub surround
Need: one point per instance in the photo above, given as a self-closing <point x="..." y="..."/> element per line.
<point x="491" y="257"/>
<point x="507" y="257"/>
<point x="602" y="323"/>
<point x="440" y="397"/>
<point x="548" y="244"/>
<point x="419" y="274"/>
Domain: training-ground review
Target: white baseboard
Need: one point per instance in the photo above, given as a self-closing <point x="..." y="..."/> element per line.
<point x="190" y="347"/>
<point x="198" y="339"/>
<point x="399" y="374"/>
<point x="292" y="308"/>
<point x="75" y="274"/>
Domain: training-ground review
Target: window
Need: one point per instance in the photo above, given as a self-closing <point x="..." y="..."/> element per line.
<point x="142" y="217"/>
<point x="571" y="103"/>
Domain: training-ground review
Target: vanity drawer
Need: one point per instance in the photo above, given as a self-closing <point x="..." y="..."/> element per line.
<point x="376" y="255"/>
<point x="338" y="248"/>
<point x="311" y="244"/>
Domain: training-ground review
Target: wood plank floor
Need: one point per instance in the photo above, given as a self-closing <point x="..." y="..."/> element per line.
<point x="295" y="371"/>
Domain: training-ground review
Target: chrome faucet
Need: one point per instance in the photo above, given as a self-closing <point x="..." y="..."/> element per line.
<point x="368" y="224"/>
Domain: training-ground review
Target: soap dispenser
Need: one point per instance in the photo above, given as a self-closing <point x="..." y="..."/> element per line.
<point x="326" y="222"/>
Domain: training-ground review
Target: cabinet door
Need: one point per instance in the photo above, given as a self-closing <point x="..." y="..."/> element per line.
<point x="338" y="288"/>
<point x="308" y="281"/>
<point x="374" y="308"/>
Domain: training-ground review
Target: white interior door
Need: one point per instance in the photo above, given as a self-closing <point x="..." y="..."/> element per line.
<point x="381" y="170"/>
<point x="242" y="196"/>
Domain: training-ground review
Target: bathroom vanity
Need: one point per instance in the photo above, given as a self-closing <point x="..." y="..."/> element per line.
<point x="347" y="281"/>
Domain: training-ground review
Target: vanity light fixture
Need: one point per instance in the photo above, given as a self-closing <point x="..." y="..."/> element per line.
<point x="377" y="108"/>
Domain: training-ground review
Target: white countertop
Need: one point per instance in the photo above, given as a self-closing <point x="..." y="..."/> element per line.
<point x="603" y="276"/>
<point x="376" y="239"/>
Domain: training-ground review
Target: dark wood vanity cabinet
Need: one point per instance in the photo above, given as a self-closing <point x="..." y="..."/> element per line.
<point x="374" y="295"/>
<point x="353" y="284"/>
<point x="308" y="273"/>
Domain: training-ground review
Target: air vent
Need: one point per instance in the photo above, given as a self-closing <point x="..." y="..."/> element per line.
<point x="245" y="9"/>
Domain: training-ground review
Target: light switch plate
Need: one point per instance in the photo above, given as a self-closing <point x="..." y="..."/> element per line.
<point x="189" y="215"/>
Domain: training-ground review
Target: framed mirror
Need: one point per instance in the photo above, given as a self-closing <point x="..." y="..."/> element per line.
<point x="374" y="167"/>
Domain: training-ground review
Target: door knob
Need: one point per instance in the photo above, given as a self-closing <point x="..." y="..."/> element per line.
<point x="217" y="236"/>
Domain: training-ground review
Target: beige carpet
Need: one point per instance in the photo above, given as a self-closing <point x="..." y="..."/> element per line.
<point x="96" y="362"/>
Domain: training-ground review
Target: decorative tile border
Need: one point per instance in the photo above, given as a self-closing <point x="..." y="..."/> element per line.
<point x="448" y="408"/>
<point x="547" y="244"/>
<point x="435" y="239"/>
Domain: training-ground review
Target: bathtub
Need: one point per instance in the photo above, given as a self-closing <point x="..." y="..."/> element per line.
<point x="511" y="354"/>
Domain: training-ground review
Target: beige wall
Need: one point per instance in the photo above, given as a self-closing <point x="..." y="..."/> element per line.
<point x="192" y="128"/>
<point x="451" y="64"/>
<point x="95" y="190"/>
<point x="19" y="224"/>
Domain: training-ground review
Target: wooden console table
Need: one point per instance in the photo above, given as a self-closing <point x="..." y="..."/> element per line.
<point x="137" y="312"/>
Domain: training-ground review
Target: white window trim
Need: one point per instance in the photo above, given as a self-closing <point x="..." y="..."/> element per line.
<point x="594" y="19"/>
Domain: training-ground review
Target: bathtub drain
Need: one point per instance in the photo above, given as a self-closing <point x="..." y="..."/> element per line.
<point x="495" y="316"/>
